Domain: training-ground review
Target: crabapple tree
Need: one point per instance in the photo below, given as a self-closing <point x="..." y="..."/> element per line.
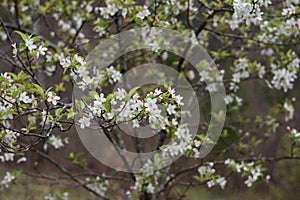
<point x="46" y="50"/>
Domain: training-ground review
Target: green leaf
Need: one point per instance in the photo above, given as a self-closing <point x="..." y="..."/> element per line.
<point x="71" y="156"/>
<point x="133" y="91"/>
<point x="76" y="158"/>
<point x="71" y="115"/>
<point x="18" y="173"/>
<point x="93" y="94"/>
<point x="36" y="39"/>
<point x="23" y="35"/>
<point x="105" y="107"/>
<point x="60" y="87"/>
<point x="39" y="89"/>
<point x="22" y="47"/>
<point x="109" y="97"/>
<point x="57" y="111"/>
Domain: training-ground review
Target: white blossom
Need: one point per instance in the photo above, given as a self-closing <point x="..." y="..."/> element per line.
<point x="41" y="51"/>
<point x="171" y="109"/>
<point x="178" y="100"/>
<point x="29" y="43"/>
<point x="268" y="177"/>
<point x="150" y="188"/>
<point x="228" y="99"/>
<point x="222" y="182"/>
<point x="23" y="159"/>
<point x="84" y="122"/>
<point x="283" y="79"/>
<point x="124" y="12"/>
<point x="10" y="137"/>
<point x="100" y="31"/>
<point x="64" y="196"/>
<point x="23" y="97"/>
<point x="56" y="142"/>
<point x="295" y="134"/>
<point x="3" y="35"/>
<point x="9" y="156"/>
<point x="143" y="13"/>
<point x="150" y="105"/>
<point x="247" y="11"/>
<point x="97" y="186"/>
<point x="52" y="98"/>
<point x="250" y="181"/>
<point x="65" y="62"/>
<point x="290" y="110"/>
<point x="15" y="50"/>
<point x="114" y="74"/>
<point x="211" y="183"/>
<point x="50" y="197"/>
<point x="206" y="171"/>
<point x="8" y="178"/>
<point x="197" y="143"/>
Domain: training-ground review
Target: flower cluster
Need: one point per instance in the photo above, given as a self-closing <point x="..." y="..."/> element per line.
<point x="294" y="134"/>
<point x="35" y="48"/>
<point x="57" y="142"/>
<point x="61" y="195"/>
<point x="289" y="109"/>
<point x="252" y="171"/>
<point x="240" y="72"/>
<point x="7" y="157"/>
<point x="9" y="138"/>
<point x="97" y="185"/>
<point x="250" y="12"/>
<point x="143" y="13"/>
<point x="211" y="76"/>
<point x="150" y="177"/>
<point x="284" y="78"/>
<point x="181" y="143"/>
<point x="155" y="107"/>
<point x="207" y="174"/>
<point x="8" y="178"/>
